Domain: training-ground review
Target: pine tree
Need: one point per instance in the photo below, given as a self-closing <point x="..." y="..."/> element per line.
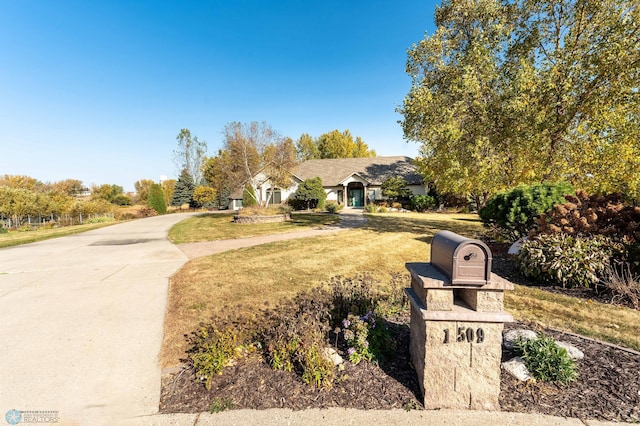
<point x="183" y="192"/>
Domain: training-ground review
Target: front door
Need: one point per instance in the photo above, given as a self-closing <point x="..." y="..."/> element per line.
<point x="356" y="197"/>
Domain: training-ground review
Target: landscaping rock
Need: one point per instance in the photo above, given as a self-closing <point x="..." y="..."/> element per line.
<point x="517" y="369"/>
<point x="573" y="352"/>
<point x="333" y="356"/>
<point x="510" y="337"/>
<point x="517" y="246"/>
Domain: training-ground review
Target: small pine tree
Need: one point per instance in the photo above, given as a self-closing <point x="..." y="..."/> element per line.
<point x="156" y="199"/>
<point x="183" y="192"/>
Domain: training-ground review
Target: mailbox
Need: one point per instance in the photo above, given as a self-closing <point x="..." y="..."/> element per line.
<point x="457" y="319"/>
<point x="463" y="261"/>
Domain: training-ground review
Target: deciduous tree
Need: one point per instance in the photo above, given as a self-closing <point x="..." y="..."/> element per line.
<point x="189" y="154"/>
<point x="509" y="92"/>
<point x="336" y="144"/>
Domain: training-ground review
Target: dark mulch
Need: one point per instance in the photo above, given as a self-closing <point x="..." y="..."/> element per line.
<point x="608" y="387"/>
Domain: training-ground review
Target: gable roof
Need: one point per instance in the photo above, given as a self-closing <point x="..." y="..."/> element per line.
<point x="333" y="171"/>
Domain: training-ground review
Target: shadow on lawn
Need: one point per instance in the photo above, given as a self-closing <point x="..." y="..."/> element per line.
<point x="428" y="226"/>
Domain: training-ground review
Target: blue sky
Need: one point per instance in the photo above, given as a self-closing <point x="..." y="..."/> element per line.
<point x="99" y="90"/>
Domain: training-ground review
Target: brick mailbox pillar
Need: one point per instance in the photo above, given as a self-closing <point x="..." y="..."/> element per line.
<point x="457" y="319"/>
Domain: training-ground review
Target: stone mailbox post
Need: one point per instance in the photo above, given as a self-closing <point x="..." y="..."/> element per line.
<point x="457" y="319"/>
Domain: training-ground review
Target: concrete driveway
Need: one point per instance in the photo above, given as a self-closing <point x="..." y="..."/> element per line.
<point x="81" y="322"/>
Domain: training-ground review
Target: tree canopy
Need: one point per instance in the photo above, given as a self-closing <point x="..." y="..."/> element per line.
<point x="509" y="92"/>
<point x="189" y="154"/>
<point x="248" y="149"/>
<point x="333" y="144"/>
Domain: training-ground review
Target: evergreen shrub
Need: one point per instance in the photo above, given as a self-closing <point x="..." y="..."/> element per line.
<point x="517" y="210"/>
<point x="156" y="199"/>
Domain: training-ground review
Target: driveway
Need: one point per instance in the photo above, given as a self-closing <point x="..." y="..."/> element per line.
<point x="82" y="319"/>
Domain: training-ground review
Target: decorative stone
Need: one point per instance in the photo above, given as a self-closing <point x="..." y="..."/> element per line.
<point x="510" y="337"/>
<point x="573" y="352"/>
<point x="517" y="369"/>
<point x="517" y="246"/>
<point x="333" y="356"/>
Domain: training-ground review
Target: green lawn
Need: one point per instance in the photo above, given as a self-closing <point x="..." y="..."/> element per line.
<point x="220" y="226"/>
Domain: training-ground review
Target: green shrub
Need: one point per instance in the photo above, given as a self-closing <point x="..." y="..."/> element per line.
<point x="333" y="207"/>
<point x="213" y="351"/>
<point x="421" y="203"/>
<point x="367" y="338"/>
<point x="156" y="199"/>
<point x="561" y="259"/>
<point x="372" y="208"/>
<point x="3" y="230"/>
<point x="249" y="196"/>
<point x="516" y="210"/>
<point x="545" y="360"/>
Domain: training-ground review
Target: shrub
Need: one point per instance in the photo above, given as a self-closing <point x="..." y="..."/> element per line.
<point x="102" y="219"/>
<point x="213" y="345"/>
<point x="372" y="208"/>
<point x="623" y="284"/>
<point x="367" y="338"/>
<point x="156" y="200"/>
<point x="545" y="360"/>
<point x="3" y="230"/>
<point x="421" y="203"/>
<point x="592" y="215"/>
<point x="516" y="210"/>
<point x="333" y="207"/>
<point x="214" y="350"/>
<point x="248" y="196"/>
<point x="294" y="337"/>
<point x="566" y="260"/>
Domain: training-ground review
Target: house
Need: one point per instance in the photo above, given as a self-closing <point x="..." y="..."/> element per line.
<point x="353" y="182"/>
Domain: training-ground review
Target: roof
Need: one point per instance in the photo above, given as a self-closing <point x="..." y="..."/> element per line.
<point x="333" y="171"/>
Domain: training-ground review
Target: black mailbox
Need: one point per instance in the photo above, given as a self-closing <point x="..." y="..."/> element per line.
<point x="462" y="260"/>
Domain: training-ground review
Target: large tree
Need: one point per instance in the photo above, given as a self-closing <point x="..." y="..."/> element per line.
<point x="336" y="144"/>
<point x="509" y="92"/>
<point x="252" y="147"/>
<point x="189" y="154"/>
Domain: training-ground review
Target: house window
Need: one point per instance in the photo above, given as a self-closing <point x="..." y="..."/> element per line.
<point x="372" y="194"/>
<point x="340" y="196"/>
<point x="274" y="195"/>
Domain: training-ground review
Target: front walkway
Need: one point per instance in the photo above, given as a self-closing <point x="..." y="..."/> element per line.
<point x="350" y="218"/>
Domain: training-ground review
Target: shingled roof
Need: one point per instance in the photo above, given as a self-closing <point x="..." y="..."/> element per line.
<point x="374" y="169"/>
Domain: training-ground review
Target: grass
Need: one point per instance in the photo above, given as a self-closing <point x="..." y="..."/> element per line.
<point x="268" y="273"/>
<point x="249" y="278"/>
<point x="15" y="238"/>
<point x="220" y="226"/>
<point x="601" y="321"/>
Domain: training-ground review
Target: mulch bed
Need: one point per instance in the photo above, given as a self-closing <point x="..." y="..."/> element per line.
<point x="608" y="387"/>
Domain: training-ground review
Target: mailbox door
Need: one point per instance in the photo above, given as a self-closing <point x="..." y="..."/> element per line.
<point x="471" y="265"/>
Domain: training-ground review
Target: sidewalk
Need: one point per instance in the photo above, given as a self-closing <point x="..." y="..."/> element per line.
<point x="350" y="218"/>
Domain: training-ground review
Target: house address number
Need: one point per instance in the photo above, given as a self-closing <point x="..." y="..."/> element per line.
<point x="465" y="334"/>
